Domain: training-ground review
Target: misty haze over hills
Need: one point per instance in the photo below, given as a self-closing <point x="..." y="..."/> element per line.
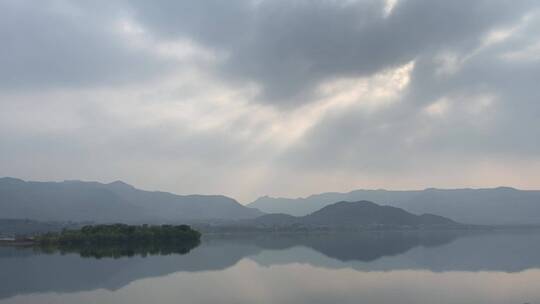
<point x="117" y="201"/>
<point x="79" y="201"/>
<point x="503" y="205"/>
<point x="362" y="214"/>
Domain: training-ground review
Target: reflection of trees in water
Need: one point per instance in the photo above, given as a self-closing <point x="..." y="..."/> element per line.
<point x="116" y="251"/>
<point x="49" y="269"/>
<point x="24" y="270"/>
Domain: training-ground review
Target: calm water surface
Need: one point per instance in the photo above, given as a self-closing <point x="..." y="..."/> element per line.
<point x="360" y="268"/>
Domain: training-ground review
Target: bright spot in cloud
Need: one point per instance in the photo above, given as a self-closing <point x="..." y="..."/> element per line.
<point x="368" y="92"/>
<point x="389" y="7"/>
<point x="530" y="53"/>
<point x="439" y="108"/>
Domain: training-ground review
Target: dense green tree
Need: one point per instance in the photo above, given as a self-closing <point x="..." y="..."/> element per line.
<point x="121" y="240"/>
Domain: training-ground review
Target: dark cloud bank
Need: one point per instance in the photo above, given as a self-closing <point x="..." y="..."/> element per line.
<point x="471" y="96"/>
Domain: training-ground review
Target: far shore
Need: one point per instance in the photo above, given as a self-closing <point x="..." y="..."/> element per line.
<point x="17" y="242"/>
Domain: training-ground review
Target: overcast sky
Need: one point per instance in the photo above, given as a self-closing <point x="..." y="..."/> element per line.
<point x="280" y="97"/>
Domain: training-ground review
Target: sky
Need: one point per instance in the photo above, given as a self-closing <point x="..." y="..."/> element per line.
<point x="271" y="97"/>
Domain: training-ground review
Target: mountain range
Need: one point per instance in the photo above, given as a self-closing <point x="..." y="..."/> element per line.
<point x="361" y="214"/>
<point x="79" y="201"/>
<point x="495" y="206"/>
<point x="113" y="202"/>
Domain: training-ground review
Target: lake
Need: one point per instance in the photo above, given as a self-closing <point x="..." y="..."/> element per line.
<point x="378" y="267"/>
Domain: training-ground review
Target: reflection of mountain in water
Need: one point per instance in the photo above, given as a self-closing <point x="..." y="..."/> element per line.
<point x="507" y="252"/>
<point x="359" y="246"/>
<point x="25" y="271"/>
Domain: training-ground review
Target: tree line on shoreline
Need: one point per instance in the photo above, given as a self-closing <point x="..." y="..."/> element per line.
<point x="120" y="233"/>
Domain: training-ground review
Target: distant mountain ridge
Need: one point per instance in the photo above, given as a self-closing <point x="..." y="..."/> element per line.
<point x="113" y="202"/>
<point x="121" y="202"/>
<point x="361" y="214"/>
<point x="495" y="206"/>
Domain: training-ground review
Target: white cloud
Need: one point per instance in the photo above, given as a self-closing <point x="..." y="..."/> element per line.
<point x="438" y="108"/>
<point x="288" y="98"/>
<point x="389" y="7"/>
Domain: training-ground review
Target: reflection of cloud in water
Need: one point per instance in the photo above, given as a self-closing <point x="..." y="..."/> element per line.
<point x="249" y="282"/>
<point x="26" y="272"/>
<point x="68" y="273"/>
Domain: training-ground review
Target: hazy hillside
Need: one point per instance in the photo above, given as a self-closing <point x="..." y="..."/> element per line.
<point x="474" y="206"/>
<point x="92" y="201"/>
<point x="15" y="227"/>
<point x="354" y="214"/>
<point x="368" y="213"/>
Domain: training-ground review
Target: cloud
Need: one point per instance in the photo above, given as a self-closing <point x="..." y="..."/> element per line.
<point x="288" y="48"/>
<point x="253" y="97"/>
<point x="57" y="44"/>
